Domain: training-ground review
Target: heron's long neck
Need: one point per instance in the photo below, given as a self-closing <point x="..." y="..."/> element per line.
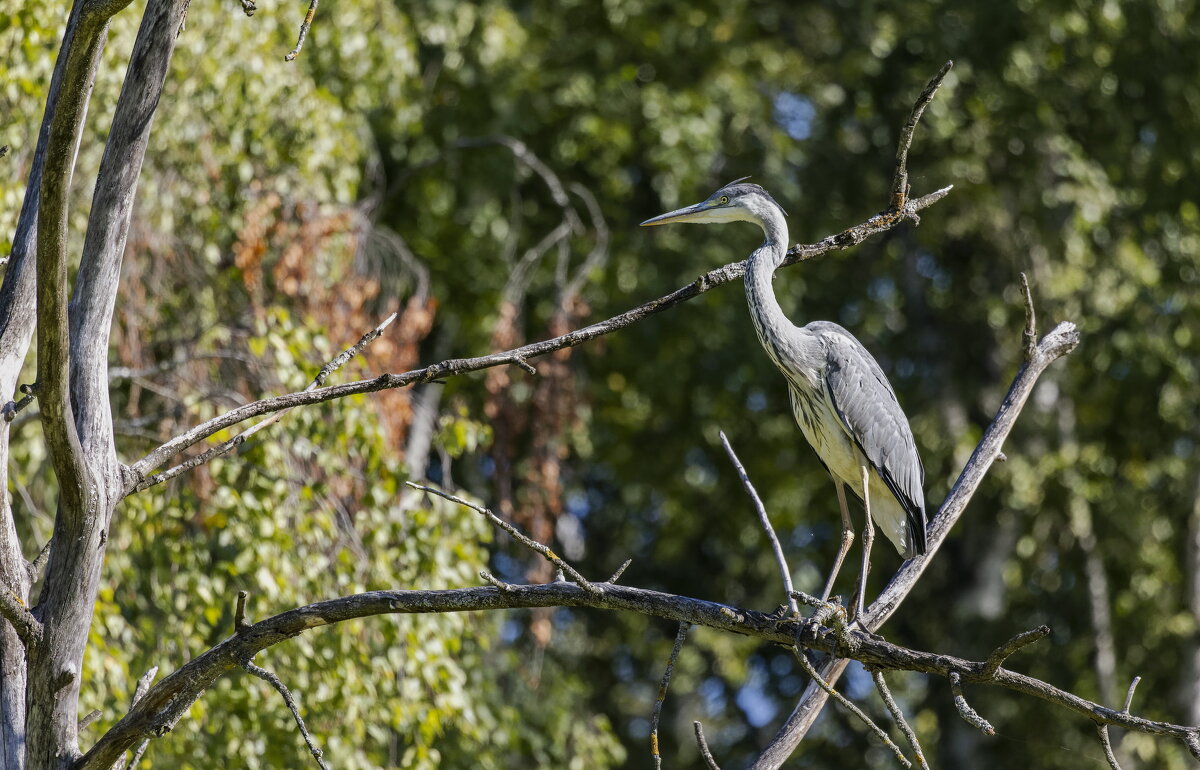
<point x="783" y="340"/>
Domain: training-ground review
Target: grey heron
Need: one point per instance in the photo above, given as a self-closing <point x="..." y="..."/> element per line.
<point x="839" y="395"/>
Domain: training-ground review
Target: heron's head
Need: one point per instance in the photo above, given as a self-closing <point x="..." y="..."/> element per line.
<point x="738" y="201"/>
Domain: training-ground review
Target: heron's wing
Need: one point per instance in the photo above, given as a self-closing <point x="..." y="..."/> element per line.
<point x="873" y="419"/>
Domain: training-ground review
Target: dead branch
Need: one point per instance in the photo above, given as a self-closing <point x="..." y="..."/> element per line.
<point x="784" y="572"/>
<point x="900" y="185"/>
<point x="680" y="635"/>
<point x="308" y="20"/>
<point x="898" y="717"/>
<point x="224" y="447"/>
<point x="282" y="689"/>
<point x="1023" y="639"/>
<point x="12" y="609"/>
<point x="964" y="709"/>
<point x="703" y="744"/>
<point x="167" y="701"/>
<point x="515" y="533"/>
<point x="846" y="703"/>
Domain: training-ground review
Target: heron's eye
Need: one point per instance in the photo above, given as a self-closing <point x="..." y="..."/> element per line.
<point x="724" y="200"/>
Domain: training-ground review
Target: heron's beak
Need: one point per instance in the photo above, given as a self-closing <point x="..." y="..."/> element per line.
<point x="698" y="212"/>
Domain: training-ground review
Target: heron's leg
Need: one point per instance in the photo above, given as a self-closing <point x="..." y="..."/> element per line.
<point x="868" y="539"/>
<point x="847" y="539"/>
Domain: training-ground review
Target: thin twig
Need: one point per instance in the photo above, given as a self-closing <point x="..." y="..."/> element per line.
<point x="308" y="20"/>
<point x="849" y="706"/>
<point x="1129" y="694"/>
<point x="11" y="408"/>
<point x="1029" y="336"/>
<point x="680" y="635"/>
<point x="497" y="582"/>
<point x="143" y="685"/>
<point x="784" y="572"/>
<point x="516" y="534"/>
<point x="13" y="609"/>
<point x="39" y="561"/>
<point x="703" y="744"/>
<point x="275" y="682"/>
<point x="898" y="716"/>
<point x="239" y="613"/>
<point x="964" y="709"/>
<point x="336" y="363"/>
<point x="137" y="754"/>
<point x="900" y="180"/>
<point x="1001" y="653"/>
<point x="620" y="571"/>
<point x="139" y="692"/>
<point x="88" y="719"/>
<point x="1102" y="730"/>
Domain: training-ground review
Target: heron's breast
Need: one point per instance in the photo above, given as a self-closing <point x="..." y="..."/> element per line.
<point x="823" y="430"/>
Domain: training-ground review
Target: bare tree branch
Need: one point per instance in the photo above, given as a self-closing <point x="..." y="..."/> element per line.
<point x="279" y="686"/>
<point x="226" y="446"/>
<point x="1102" y="731"/>
<point x="620" y="571"/>
<point x="304" y="26"/>
<point x="1129" y="694"/>
<point x="898" y="717"/>
<point x="1001" y="653"/>
<point x="515" y="533"/>
<point x="28" y="628"/>
<point x="846" y="703"/>
<point x="853" y="236"/>
<point x="964" y="709"/>
<point x="900" y="181"/>
<point x="703" y="744"/>
<point x="143" y="685"/>
<point x="784" y="572"/>
<point x="169" y="699"/>
<point x="680" y="635"/>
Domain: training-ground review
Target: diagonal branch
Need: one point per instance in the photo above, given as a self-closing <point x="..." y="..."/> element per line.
<point x="898" y="717"/>
<point x="849" y="706"/>
<point x="226" y="446"/>
<point x="515" y="533"/>
<point x="784" y="572"/>
<point x="680" y="635"/>
<point x="282" y="689"/>
<point x="853" y="236"/>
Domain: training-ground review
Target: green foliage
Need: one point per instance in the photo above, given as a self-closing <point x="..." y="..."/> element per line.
<point x="1068" y="131"/>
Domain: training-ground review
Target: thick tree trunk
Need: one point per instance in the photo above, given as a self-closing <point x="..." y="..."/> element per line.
<point x="73" y="356"/>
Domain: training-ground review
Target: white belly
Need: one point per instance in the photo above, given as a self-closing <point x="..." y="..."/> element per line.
<point x="823" y="430"/>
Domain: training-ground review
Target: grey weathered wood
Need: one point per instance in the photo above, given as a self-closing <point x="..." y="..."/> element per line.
<point x="74" y="72"/>
<point x="166" y="702"/>
<point x="72" y="373"/>
<point x="1059" y="342"/>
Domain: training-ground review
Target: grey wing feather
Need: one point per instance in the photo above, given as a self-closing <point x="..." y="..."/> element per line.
<point x="872" y="416"/>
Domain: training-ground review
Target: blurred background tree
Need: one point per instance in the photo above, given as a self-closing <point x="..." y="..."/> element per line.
<point x="480" y="167"/>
